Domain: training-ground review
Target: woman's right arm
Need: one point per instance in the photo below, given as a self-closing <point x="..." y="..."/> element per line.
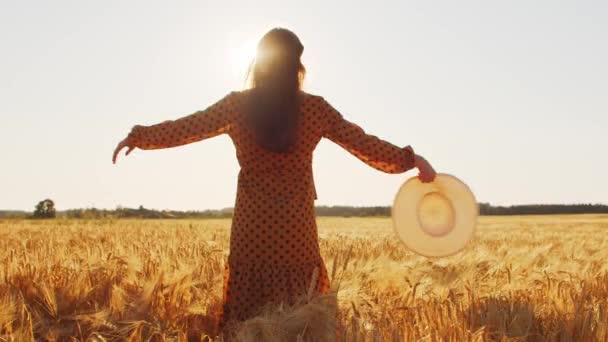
<point x="370" y="149"/>
<point x="377" y="153"/>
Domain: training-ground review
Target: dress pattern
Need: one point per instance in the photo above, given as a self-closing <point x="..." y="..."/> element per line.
<point x="274" y="247"/>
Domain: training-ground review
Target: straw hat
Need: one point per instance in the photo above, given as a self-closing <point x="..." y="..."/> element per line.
<point x="435" y="219"/>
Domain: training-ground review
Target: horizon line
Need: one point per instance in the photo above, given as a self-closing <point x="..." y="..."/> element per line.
<point x="316" y="206"/>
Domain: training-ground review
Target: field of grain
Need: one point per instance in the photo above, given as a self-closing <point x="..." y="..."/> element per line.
<point x="522" y="278"/>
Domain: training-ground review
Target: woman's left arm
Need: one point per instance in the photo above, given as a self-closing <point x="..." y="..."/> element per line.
<point x="204" y="124"/>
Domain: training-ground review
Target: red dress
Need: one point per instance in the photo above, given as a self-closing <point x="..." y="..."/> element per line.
<point x="274" y="248"/>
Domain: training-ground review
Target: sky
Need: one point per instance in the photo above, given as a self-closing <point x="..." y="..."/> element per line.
<point x="509" y="96"/>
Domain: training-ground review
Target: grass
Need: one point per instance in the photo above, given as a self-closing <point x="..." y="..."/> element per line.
<point x="533" y="278"/>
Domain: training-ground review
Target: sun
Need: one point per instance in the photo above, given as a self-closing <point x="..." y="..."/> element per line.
<point x="241" y="56"/>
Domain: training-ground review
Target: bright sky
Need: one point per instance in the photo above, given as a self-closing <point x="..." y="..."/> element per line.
<point x="509" y="96"/>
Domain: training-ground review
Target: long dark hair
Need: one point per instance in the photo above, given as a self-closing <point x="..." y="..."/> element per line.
<point x="276" y="77"/>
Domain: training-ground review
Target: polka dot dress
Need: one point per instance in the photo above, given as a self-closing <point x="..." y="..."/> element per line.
<point x="274" y="248"/>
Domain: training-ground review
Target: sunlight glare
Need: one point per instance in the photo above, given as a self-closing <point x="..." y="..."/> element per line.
<point x="241" y="57"/>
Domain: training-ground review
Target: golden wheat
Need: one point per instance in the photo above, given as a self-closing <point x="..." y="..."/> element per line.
<point x="523" y="278"/>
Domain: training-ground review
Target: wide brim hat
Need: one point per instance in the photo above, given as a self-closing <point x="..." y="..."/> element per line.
<point x="435" y="219"/>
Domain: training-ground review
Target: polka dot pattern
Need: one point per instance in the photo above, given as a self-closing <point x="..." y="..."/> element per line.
<point x="274" y="247"/>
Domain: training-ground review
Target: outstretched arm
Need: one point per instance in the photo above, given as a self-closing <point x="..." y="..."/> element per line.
<point x="214" y="120"/>
<point x="372" y="150"/>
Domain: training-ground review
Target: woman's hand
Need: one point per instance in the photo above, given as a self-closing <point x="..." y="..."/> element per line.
<point x="426" y="173"/>
<point x="126" y="142"/>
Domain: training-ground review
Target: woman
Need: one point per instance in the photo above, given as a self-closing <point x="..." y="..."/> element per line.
<point x="275" y="126"/>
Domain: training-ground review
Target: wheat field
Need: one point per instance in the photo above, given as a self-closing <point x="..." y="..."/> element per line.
<point x="542" y="278"/>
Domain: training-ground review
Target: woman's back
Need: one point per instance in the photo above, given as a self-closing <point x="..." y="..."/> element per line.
<point x="253" y="157"/>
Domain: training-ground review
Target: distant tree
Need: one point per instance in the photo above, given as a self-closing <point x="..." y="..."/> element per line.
<point x="45" y="209"/>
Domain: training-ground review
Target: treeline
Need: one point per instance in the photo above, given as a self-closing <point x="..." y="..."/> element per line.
<point x="120" y="212"/>
<point x="343" y="211"/>
<point x="346" y="211"/>
<point x="543" y="209"/>
<point x="484" y="209"/>
<point x="142" y="212"/>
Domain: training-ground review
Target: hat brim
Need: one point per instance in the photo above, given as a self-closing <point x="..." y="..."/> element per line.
<point x="406" y="216"/>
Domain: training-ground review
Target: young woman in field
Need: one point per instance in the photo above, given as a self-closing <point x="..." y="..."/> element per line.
<point x="275" y="127"/>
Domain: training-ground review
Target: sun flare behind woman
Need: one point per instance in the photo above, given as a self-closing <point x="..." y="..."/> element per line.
<point x="241" y="57"/>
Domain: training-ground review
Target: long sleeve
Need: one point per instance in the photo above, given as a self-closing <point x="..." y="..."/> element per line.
<point x="370" y="149"/>
<point x="207" y="123"/>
